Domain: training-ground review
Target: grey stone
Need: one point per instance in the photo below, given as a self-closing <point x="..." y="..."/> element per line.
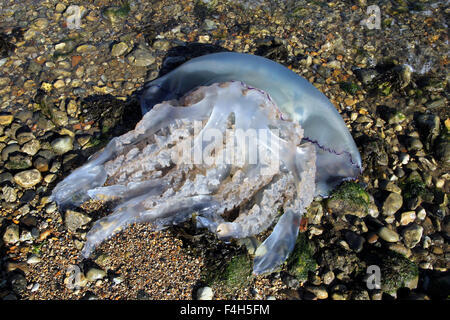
<point x="62" y="144"/>
<point x="59" y="117"/>
<point x="442" y="149"/>
<point x="24" y="137"/>
<point x="74" y="220"/>
<point x="209" y="25"/>
<point x="414" y="144"/>
<point x="388" y="235"/>
<point x="412" y="235"/>
<point x="6" y="177"/>
<point x="31" y="147"/>
<point x="28" y="179"/>
<point x="9" y="194"/>
<point x="366" y="75"/>
<point x="119" y="49"/>
<point x="429" y="128"/>
<point x="11" y="235"/>
<point x="18" y="283"/>
<point x="392" y="204"/>
<point x="141" y="58"/>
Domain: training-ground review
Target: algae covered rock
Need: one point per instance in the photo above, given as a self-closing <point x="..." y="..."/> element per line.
<point x="301" y="261"/>
<point x="349" y="198"/>
<point x="235" y="274"/>
<point x="396" y="270"/>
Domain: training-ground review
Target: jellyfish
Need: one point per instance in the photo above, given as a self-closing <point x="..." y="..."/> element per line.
<point x="229" y="139"/>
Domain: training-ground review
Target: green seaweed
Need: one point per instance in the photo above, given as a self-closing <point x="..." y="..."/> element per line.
<point x="36" y="249"/>
<point x="301" y="260"/>
<point x="414" y="187"/>
<point x="124" y="9"/>
<point x="235" y="274"/>
<point x="397" y="272"/>
<point x="349" y="87"/>
<point x="353" y="193"/>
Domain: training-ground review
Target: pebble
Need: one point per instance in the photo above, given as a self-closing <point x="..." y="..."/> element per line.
<point x="33" y="259"/>
<point x="41" y="164"/>
<point x="320" y="291"/>
<point x="328" y="277"/>
<point x="75" y="280"/>
<point x="18" y="283"/>
<point x="141" y="58"/>
<point x="119" y="49"/>
<point x="103" y="261"/>
<point x="58" y="84"/>
<point x="6" y="177"/>
<point x="32" y="147"/>
<point x="62" y="144"/>
<point x="407" y="217"/>
<point x="11" y="235"/>
<point x="40" y="24"/>
<point x="74" y="220"/>
<point x="95" y="274"/>
<point x="399" y="248"/>
<point x="86" y="48"/>
<point x="28" y="179"/>
<point x="6" y="119"/>
<point x="414" y="144"/>
<point x="35" y="287"/>
<point x="18" y="161"/>
<point x="339" y="296"/>
<point x="388" y="235"/>
<point x="354" y="241"/>
<point x="60" y="7"/>
<point x="9" y="194"/>
<point x="412" y="235"/>
<point x="59" y="117"/>
<point x="372" y="238"/>
<point x="205" y="293"/>
<point x="392" y="204"/>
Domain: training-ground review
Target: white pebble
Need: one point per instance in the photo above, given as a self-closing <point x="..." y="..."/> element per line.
<point x="205" y="293"/>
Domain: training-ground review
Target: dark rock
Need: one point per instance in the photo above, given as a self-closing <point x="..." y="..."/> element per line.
<point x="442" y="148"/>
<point x="273" y="49"/>
<point x="10" y="148"/>
<point x="6" y="177"/>
<point x="366" y="75"/>
<point x="354" y="241"/>
<point x="18" y="161"/>
<point x="337" y="258"/>
<point x="27" y="196"/>
<point x="414" y="144"/>
<point x="18" y="283"/>
<point x="289" y="280"/>
<point x="429" y="128"/>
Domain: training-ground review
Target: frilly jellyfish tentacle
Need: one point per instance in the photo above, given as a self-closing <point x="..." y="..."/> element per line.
<point x="135" y="211"/>
<point x="277" y="247"/>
